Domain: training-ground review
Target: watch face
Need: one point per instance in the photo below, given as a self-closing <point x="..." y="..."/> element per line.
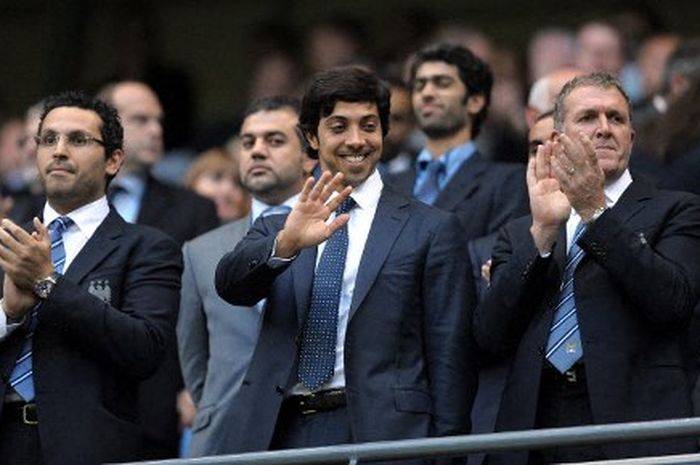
<point x="43" y="287"/>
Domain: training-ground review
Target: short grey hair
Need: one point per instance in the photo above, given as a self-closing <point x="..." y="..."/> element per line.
<point x="599" y="80"/>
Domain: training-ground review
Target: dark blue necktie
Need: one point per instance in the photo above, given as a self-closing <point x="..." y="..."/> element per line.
<point x="564" y="343"/>
<point x="21" y="378"/>
<point x="317" y="352"/>
<point x="429" y="189"/>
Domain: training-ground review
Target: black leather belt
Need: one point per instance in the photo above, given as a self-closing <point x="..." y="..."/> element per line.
<point x="20" y="412"/>
<point x="573" y="376"/>
<point x="321" y="401"/>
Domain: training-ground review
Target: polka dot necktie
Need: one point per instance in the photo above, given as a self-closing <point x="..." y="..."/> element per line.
<point x="21" y="378"/>
<point x="317" y="352"/>
<point x="564" y="344"/>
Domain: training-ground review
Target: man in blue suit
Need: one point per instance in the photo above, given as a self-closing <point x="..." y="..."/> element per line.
<point x="396" y="360"/>
<point x="89" y="302"/>
<point x="451" y="91"/>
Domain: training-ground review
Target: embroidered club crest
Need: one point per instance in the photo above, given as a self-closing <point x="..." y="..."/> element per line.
<point x="100" y="288"/>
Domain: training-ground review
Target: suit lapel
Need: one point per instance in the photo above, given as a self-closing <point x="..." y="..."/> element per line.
<point x="632" y="200"/>
<point x="100" y="245"/>
<point x="303" y="278"/>
<point x="390" y="217"/>
<point x="463" y="183"/>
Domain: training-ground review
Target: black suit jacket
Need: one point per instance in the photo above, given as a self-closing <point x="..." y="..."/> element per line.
<point x="183" y="215"/>
<point x="409" y="366"/>
<point x="635" y="291"/>
<point x="101" y="331"/>
<point x="484" y="195"/>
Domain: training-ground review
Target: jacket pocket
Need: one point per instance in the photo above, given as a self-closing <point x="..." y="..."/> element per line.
<point x="411" y="400"/>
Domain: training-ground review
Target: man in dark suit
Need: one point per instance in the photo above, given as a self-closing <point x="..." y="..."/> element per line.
<point x="182" y="214"/>
<point x="593" y="293"/>
<point x="451" y="95"/>
<point x="89" y="302"/>
<point x="387" y="353"/>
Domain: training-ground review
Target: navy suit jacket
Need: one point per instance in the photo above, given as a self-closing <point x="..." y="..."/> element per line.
<point x="635" y="290"/>
<point x="484" y="195"/>
<point x="409" y="365"/>
<point x="101" y="331"/>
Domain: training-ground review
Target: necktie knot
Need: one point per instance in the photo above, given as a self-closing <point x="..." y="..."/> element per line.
<point x="347" y="205"/>
<point x="59" y="226"/>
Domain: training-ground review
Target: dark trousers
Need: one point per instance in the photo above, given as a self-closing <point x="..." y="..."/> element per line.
<point x="19" y="443"/>
<point x="563" y="401"/>
<point x="295" y="430"/>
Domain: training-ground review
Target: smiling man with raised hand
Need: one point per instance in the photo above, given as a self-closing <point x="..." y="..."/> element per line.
<point x="366" y="330"/>
<point x="592" y="295"/>
<point x="89" y="302"/>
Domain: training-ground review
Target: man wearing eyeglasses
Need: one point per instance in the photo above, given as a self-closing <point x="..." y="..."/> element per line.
<point x="88" y="302"/>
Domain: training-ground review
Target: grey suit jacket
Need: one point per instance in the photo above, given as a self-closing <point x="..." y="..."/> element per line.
<point x="216" y="339"/>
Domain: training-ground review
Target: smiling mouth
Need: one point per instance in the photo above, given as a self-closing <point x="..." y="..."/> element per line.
<point x="355" y="158"/>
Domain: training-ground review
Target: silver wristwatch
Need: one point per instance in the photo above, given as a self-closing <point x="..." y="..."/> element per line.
<point x="44" y="286"/>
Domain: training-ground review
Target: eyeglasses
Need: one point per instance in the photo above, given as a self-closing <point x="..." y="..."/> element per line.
<point x="75" y="139"/>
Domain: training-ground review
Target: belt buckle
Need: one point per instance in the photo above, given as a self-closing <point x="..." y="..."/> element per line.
<point x="29" y="414"/>
<point x="303" y="409"/>
<point x="571" y="375"/>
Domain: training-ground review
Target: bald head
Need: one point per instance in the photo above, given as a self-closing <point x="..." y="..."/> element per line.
<point x="141" y="115"/>
<point x="544" y="91"/>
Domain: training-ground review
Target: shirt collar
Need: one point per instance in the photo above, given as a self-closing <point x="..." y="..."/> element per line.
<point x="87" y="218"/>
<point x="134" y="185"/>
<point x="615" y="189"/>
<point x="258" y="206"/>
<point x="367" y="194"/>
<point x="453" y="158"/>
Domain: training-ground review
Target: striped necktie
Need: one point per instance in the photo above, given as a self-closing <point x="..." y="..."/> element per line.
<point x="21" y="378"/>
<point x="317" y="352"/>
<point x="564" y="347"/>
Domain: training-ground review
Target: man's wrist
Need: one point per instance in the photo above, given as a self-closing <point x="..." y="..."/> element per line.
<point x="594" y="215"/>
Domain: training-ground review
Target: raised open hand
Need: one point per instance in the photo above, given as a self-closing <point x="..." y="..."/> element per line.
<point x="548" y="204"/>
<point x="307" y="225"/>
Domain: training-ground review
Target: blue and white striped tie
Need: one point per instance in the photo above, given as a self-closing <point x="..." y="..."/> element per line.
<point x="21" y="379"/>
<point x="564" y="347"/>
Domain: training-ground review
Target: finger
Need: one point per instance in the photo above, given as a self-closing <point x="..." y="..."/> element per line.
<point x="333" y="185"/>
<point x="589" y="149"/>
<point x="335" y="202"/>
<point x="338" y="222"/>
<point x="41" y="232"/>
<point x="574" y="152"/>
<point x="18" y="233"/>
<point x="542" y="161"/>
<point x="320" y="185"/>
<point x="530" y="175"/>
<point x="560" y="172"/>
<point x="306" y="189"/>
<point x="8" y="241"/>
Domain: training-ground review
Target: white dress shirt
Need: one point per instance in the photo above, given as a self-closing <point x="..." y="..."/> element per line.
<point x="86" y="220"/>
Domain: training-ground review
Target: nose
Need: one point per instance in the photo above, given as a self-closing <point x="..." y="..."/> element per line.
<point x="259" y="149"/>
<point x="355" y="138"/>
<point x="603" y="128"/>
<point x="61" y="148"/>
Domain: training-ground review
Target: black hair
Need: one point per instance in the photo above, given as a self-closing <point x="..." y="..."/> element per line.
<point x="352" y="84"/>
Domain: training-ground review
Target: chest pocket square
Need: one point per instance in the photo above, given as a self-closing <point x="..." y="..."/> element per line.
<point x="101" y="289"/>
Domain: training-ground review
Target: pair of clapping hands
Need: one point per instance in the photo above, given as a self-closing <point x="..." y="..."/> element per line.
<point x="564" y="174"/>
